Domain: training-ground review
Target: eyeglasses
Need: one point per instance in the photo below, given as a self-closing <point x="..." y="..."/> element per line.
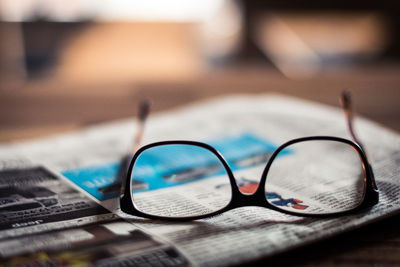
<point x="311" y="176"/>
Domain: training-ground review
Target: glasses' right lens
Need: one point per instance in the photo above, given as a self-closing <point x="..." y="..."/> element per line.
<point x="316" y="177"/>
<point x="179" y="180"/>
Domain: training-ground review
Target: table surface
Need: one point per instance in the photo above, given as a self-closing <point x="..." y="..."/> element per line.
<point x="42" y="108"/>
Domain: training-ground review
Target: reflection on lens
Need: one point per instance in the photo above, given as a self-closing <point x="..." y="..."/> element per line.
<point x="179" y="181"/>
<point x="316" y="177"/>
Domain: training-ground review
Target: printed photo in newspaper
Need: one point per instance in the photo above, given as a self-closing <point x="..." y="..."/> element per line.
<point x="111" y="243"/>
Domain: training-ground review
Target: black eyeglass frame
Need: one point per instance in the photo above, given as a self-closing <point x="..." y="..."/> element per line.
<point x="370" y="198"/>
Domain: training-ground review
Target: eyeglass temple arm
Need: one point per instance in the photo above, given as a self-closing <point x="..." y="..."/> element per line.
<point x="143" y="113"/>
<point x="347" y="106"/>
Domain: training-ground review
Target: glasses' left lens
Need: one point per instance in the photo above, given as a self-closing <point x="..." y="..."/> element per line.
<point x="179" y="180"/>
<point x="316" y="177"/>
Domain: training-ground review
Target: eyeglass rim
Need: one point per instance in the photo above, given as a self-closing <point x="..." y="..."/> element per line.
<point x="370" y="197"/>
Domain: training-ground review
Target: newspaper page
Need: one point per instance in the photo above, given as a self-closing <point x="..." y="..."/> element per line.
<point x="45" y="221"/>
<point x="245" y="130"/>
<point x="33" y="199"/>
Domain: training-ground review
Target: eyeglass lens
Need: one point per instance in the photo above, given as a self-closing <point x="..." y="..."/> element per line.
<point x="316" y="177"/>
<point x="192" y="172"/>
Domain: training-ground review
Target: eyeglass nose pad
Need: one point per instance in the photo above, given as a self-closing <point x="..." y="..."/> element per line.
<point x="247" y="187"/>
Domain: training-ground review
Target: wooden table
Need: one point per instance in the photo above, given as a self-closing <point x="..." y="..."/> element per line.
<point x="41" y="108"/>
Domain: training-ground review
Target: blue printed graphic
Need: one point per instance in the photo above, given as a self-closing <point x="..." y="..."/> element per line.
<point x="242" y="151"/>
<point x="93" y="178"/>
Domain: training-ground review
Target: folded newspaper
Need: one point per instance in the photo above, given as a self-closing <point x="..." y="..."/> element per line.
<point x="82" y="172"/>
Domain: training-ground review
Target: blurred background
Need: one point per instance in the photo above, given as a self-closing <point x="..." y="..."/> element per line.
<point x="68" y="64"/>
